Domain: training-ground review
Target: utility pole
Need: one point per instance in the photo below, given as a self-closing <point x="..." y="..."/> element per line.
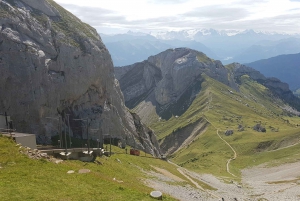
<point x="6" y="121"/>
<point x="65" y="129"/>
<point x="68" y="115"/>
<point x="101" y="138"/>
<point x="60" y="131"/>
<point x="87" y="131"/>
<point x="109" y="144"/>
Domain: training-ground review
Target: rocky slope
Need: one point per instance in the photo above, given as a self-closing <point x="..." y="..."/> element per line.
<point x="164" y="87"/>
<point x="52" y="64"/>
<point x="169" y="80"/>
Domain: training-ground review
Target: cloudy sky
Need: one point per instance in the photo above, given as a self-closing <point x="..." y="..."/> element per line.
<point x="119" y="16"/>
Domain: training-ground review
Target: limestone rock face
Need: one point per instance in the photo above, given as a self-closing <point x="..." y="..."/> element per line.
<point x="52" y="65"/>
<point x="168" y="74"/>
<point x="142" y="77"/>
<point x="165" y="84"/>
<point x="240" y="70"/>
<point x="179" y="68"/>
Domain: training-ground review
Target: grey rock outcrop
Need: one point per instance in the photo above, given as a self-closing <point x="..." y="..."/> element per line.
<point x="142" y="78"/>
<point x="259" y="128"/>
<point x="228" y="132"/>
<point x="165" y="84"/>
<point x="169" y="80"/>
<point x="52" y="64"/>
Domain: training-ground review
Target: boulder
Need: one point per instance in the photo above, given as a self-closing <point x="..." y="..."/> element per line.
<point x="228" y="132"/>
<point x="259" y="128"/>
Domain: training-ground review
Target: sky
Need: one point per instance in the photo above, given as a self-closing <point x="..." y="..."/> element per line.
<point x="120" y="16"/>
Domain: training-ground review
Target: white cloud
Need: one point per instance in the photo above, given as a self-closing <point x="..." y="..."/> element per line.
<point x="147" y="15"/>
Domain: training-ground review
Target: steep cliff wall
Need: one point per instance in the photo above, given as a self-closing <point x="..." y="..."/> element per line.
<point x="168" y="82"/>
<point x="53" y="64"/>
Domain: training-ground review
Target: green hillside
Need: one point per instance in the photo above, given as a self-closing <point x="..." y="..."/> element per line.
<point x="23" y="178"/>
<point x="226" y="109"/>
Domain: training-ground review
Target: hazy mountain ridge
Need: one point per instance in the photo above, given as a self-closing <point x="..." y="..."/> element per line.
<point x="194" y="33"/>
<point x="225" y="45"/>
<point x="284" y="67"/>
<point x="134" y="47"/>
<point x="268" y="49"/>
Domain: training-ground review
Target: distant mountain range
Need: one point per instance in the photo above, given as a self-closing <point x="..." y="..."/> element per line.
<point x="196" y="33"/>
<point x="284" y="67"/>
<point x="226" y="45"/>
<point x="133" y="47"/>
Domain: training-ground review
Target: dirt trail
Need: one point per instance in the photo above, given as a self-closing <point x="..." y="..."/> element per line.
<point x="234" y="152"/>
<point x="258" y="183"/>
<point x="168" y="174"/>
<point x="184" y="172"/>
<point x="233" y="158"/>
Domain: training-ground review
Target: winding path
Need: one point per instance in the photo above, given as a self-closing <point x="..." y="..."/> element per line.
<point x="234" y="152"/>
<point x="183" y="171"/>
<point x="234" y="156"/>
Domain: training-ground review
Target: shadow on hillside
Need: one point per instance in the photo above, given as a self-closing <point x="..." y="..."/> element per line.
<point x="176" y="108"/>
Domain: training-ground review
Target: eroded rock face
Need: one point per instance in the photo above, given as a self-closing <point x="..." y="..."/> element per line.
<point x="165" y="85"/>
<point x="180" y="67"/>
<point x="142" y="78"/>
<point x="169" y="74"/>
<point x="52" y="64"/>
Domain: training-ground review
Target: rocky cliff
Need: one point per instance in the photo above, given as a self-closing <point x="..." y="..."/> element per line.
<point x="168" y="82"/>
<point x="165" y="85"/>
<point x="52" y="64"/>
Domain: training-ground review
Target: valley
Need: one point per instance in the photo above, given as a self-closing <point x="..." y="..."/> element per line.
<point x="195" y="138"/>
<point x="208" y="153"/>
<point x="170" y="111"/>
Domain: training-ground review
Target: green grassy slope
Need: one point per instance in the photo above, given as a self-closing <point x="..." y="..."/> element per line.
<point x="226" y="109"/>
<point x="27" y="179"/>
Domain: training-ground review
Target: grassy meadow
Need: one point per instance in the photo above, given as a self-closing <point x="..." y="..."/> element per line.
<point x="27" y="179"/>
<point x="227" y="109"/>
